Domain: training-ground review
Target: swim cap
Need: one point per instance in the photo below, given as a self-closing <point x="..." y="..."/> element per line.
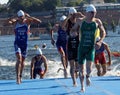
<point x="72" y="10"/>
<point x="38" y="51"/>
<point x="91" y="8"/>
<point x="44" y="45"/>
<point x="63" y="18"/>
<point x="36" y="46"/>
<point x="20" y="13"/>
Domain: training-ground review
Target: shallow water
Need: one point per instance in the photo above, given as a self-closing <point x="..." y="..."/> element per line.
<point x="7" y="58"/>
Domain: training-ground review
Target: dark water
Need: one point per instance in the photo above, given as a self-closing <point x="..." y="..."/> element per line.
<point x="8" y="59"/>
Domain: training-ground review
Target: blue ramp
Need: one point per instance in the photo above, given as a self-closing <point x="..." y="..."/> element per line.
<point x="60" y="86"/>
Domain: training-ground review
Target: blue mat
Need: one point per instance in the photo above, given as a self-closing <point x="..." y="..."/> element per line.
<point x="100" y="86"/>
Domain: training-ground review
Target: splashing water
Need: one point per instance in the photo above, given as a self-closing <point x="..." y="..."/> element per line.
<point x="8" y="59"/>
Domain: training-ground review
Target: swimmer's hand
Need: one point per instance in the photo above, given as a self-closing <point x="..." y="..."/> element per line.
<point x="53" y="42"/>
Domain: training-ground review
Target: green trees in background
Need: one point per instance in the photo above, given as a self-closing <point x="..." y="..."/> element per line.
<point x="41" y="5"/>
<point x="111" y="1"/>
<point x="33" y="5"/>
<point x="75" y="3"/>
<point x="26" y="5"/>
<point x="38" y="5"/>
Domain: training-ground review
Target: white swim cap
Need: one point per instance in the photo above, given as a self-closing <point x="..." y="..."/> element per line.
<point x="38" y="51"/>
<point x="91" y="8"/>
<point x="63" y="18"/>
<point x="20" y="13"/>
<point x="72" y="10"/>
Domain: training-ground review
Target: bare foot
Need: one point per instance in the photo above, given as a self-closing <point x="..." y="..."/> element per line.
<point x="74" y="84"/>
<point x="88" y="81"/>
<point x="65" y="74"/>
<point x="18" y="80"/>
<point x="82" y="90"/>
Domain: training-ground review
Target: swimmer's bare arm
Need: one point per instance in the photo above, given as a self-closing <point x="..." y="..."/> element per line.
<point x="55" y="28"/>
<point x="10" y="21"/>
<point x="31" y="19"/>
<point x="102" y="30"/>
<point x="52" y="38"/>
<point x="65" y="22"/>
<point x="45" y="64"/>
<point x="79" y="15"/>
<point x="108" y="51"/>
<point x="32" y="67"/>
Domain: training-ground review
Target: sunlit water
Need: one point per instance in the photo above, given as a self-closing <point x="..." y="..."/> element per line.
<point x="8" y="59"/>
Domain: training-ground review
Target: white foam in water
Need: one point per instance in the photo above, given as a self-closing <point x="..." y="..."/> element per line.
<point x="52" y="71"/>
<point x="6" y="62"/>
<point x="7" y="56"/>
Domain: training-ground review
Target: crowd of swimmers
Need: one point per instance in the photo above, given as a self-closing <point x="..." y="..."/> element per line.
<point x="80" y="43"/>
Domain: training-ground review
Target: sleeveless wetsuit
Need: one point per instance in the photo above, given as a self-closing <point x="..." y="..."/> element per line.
<point x="70" y="25"/>
<point x="21" y="38"/>
<point x="37" y="67"/>
<point x="73" y="47"/>
<point x="100" y="55"/>
<point x="61" y="39"/>
<point x="86" y="46"/>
